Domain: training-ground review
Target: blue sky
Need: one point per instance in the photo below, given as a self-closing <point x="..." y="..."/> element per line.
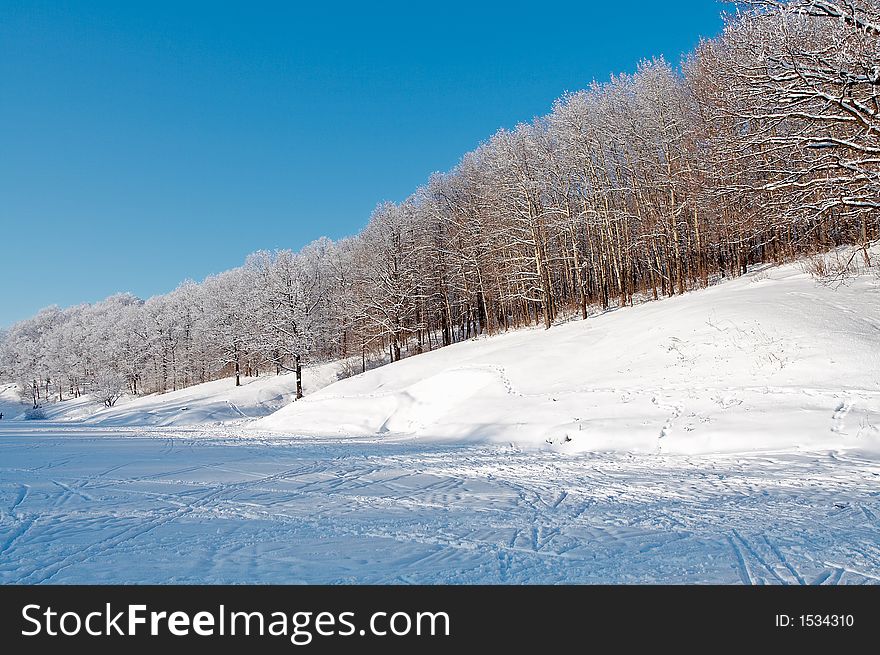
<point x="142" y="143"/>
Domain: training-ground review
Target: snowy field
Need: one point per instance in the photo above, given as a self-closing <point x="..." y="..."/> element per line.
<point x="82" y="504"/>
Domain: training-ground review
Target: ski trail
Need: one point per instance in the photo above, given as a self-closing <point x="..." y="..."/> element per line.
<point x="110" y="543"/>
<point x="132" y="532"/>
<point x="835" y="579"/>
<point x="430" y="514"/>
<point x="559" y="500"/>
<point x="744" y="573"/>
<point x="821" y="578"/>
<point x="540" y="537"/>
<point x="750" y="549"/>
<point x="830" y="576"/>
<point x="784" y="561"/>
<point x="88" y="482"/>
<point x="70" y="491"/>
<point x="17" y="534"/>
<point x="22" y="494"/>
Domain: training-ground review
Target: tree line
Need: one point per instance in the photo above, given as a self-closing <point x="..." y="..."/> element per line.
<point x="762" y="147"/>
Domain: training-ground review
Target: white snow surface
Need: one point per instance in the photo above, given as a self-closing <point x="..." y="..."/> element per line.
<point x="85" y="504"/>
<point x="214" y="402"/>
<point x="11" y="404"/>
<point x="769" y="361"/>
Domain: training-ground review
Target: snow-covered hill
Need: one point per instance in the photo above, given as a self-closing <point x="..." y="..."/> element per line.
<point x="11" y="404"/>
<point x="219" y="401"/>
<point x="773" y="360"/>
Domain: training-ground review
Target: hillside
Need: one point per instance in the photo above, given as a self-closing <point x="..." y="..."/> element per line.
<point x="10" y="403"/>
<point x="772" y="360"/>
<point x="219" y="401"/>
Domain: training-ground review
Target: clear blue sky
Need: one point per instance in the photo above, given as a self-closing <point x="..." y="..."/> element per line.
<point x="142" y="143"/>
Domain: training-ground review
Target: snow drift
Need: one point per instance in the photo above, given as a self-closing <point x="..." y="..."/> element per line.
<point x="772" y="360"/>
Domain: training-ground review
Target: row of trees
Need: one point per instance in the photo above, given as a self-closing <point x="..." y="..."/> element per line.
<point x="262" y="317"/>
<point x="763" y="147"/>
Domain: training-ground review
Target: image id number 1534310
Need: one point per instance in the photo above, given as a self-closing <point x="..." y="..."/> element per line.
<point x="815" y="621"/>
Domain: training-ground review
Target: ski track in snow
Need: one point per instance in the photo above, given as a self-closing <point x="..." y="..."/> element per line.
<point x="221" y="505"/>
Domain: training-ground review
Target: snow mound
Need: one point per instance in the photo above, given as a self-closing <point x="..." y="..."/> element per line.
<point x="219" y="401"/>
<point x="770" y="361"/>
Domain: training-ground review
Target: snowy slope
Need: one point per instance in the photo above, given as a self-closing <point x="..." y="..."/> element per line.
<point x="211" y="402"/>
<point x="10" y="402"/>
<point x="772" y="360"/>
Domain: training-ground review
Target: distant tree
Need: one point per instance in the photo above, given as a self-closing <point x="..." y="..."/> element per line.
<point x="109" y="387"/>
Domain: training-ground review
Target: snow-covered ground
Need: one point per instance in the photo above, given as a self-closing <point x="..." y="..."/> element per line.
<point x="214" y="402"/>
<point x="11" y="404"/>
<point x="731" y="435"/>
<point x="772" y="360"/>
<point x="153" y="505"/>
